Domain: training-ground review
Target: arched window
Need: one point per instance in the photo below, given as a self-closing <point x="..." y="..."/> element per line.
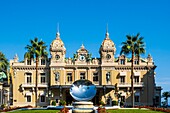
<point x="28" y="61"/>
<point x="82" y="75"/>
<point x="69" y="77"/>
<point x="43" y="61"/>
<point x="95" y="77"/>
<point x="108" y="76"/>
<point x="57" y="76"/>
<point x="122" y="61"/>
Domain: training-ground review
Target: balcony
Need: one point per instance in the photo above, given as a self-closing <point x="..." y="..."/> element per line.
<point x="68" y="83"/>
<point x="138" y="84"/>
<point x="27" y="85"/>
<point x="135" y="84"/>
<point x="96" y="82"/>
<point x="43" y="84"/>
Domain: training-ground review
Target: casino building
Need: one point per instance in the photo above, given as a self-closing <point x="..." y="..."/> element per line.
<point x="110" y="74"/>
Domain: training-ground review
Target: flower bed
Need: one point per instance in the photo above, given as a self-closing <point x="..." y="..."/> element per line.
<point x="6" y="109"/>
<point x="167" y="110"/>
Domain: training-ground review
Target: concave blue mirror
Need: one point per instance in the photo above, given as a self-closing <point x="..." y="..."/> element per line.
<point x="83" y="90"/>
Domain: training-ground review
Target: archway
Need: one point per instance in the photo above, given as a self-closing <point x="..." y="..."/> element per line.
<point x="69" y="98"/>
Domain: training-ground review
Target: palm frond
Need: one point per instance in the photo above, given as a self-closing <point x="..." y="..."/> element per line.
<point x="3" y="62"/>
<point x="128" y="37"/>
<point x="36" y="49"/>
<point x="134" y="39"/>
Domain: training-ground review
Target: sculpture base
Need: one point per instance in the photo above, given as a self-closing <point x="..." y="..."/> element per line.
<point x="82" y="107"/>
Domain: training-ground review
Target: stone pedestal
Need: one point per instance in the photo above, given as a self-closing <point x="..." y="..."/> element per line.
<point x="82" y="107"/>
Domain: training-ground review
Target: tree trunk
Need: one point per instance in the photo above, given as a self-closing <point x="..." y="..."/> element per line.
<point x="132" y="77"/>
<point x="138" y="59"/>
<point x="36" y="82"/>
<point x="167" y="102"/>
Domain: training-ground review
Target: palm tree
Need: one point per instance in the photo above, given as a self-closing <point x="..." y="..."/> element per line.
<point x="134" y="46"/>
<point x="3" y="63"/>
<point x="139" y="47"/>
<point x="36" y="50"/>
<point x="166" y="95"/>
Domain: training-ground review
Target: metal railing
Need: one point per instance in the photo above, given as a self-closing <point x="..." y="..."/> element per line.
<point x="135" y="84"/>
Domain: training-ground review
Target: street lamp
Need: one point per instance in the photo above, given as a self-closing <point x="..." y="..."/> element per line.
<point x="60" y="87"/>
<point x="49" y="95"/>
<point x="104" y="91"/>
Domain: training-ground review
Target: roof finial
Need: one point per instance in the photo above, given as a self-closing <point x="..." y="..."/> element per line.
<point x="82" y="46"/>
<point x="107" y="33"/>
<point x="58" y="33"/>
<point x="107" y="28"/>
<point x="16" y="58"/>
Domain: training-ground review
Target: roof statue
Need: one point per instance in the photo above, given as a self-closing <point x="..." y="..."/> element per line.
<point x="58" y="33"/>
<point x="107" y="32"/>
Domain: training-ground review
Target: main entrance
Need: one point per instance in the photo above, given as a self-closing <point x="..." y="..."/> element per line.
<point x="96" y="99"/>
<point x="69" y="98"/>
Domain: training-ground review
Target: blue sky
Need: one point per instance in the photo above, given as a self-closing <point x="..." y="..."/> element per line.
<point x="84" y="21"/>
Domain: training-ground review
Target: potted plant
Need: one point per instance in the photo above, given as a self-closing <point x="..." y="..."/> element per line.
<point x="62" y="103"/>
<point x="101" y="103"/>
<point x="114" y="103"/>
<point x="53" y="103"/>
<point x="3" y="106"/>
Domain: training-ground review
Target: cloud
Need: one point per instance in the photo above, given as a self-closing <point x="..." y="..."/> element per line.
<point x="120" y="46"/>
<point x="163" y="78"/>
<point x="163" y="83"/>
<point x="117" y="55"/>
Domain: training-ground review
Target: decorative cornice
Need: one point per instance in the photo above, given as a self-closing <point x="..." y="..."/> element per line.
<point x="29" y="68"/>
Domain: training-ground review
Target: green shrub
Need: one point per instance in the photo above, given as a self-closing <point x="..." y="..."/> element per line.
<point x="114" y="103"/>
<point x="53" y="103"/>
<point x="3" y="106"/>
<point x="62" y="102"/>
<point x="121" y="103"/>
<point x="101" y="103"/>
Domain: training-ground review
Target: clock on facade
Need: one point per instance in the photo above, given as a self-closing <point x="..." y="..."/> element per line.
<point x="57" y="57"/>
<point x="108" y="56"/>
<point x="82" y="58"/>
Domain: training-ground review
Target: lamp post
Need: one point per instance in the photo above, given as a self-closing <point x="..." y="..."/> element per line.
<point x="60" y="87"/>
<point x="104" y="92"/>
<point x="50" y="95"/>
<point x="1" y="101"/>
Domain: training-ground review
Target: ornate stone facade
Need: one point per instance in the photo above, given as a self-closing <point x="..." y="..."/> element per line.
<point x="111" y="76"/>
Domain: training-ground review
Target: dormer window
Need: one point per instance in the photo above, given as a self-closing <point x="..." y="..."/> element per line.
<point x="28" y="62"/>
<point x="122" y="61"/>
<point x="43" y="61"/>
<point x="136" y="62"/>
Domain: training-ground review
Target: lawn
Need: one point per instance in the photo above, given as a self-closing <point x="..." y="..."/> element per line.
<point x="35" y="111"/>
<point x="132" y="111"/>
<point x="110" y="111"/>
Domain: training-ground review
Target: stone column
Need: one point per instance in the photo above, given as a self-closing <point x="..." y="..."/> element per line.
<point x="89" y="74"/>
<point x="75" y="74"/>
